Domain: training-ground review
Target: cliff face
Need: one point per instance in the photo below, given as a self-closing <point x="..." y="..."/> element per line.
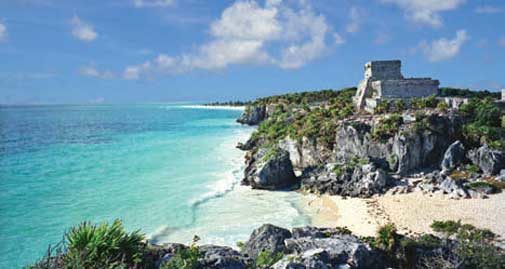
<point x="334" y="149"/>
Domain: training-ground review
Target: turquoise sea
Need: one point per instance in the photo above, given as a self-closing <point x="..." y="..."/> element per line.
<point x="170" y="170"/>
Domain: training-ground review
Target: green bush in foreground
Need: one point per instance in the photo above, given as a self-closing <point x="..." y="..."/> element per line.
<point x="103" y="246"/>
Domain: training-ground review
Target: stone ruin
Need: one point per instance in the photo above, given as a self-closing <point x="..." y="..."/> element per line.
<point x="384" y="81"/>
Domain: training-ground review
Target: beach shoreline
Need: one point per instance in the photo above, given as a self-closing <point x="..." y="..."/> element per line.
<point x="412" y="213"/>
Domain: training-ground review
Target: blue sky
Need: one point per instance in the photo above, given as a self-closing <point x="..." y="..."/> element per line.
<point x="135" y="51"/>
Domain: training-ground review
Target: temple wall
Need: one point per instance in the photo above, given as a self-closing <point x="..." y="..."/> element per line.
<point x="378" y="70"/>
<point x="406" y="88"/>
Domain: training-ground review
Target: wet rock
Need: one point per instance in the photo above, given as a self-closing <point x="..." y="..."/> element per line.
<point x="266" y="238"/>
<point x="453" y="156"/>
<point x="489" y="161"/>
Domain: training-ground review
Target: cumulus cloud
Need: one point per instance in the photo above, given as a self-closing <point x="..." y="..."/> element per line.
<point x="153" y="3"/>
<point x="249" y="33"/>
<point x="426" y="12"/>
<point x="3" y="32"/>
<point x="356" y="16"/>
<point x="489" y="9"/>
<point x="91" y="71"/>
<point x="82" y="31"/>
<point x="444" y="49"/>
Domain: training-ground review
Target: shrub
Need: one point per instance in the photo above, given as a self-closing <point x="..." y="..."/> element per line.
<point x="442" y="106"/>
<point x="483" y="185"/>
<point x="386" y="238"/>
<point x="266" y="259"/>
<point x="382" y="107"/>
<point x="185" y="258"/>
<point x="102" y="246"/>
<point x="387" y="127"/>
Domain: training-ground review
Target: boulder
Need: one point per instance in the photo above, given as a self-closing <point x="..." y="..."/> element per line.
<point x="266" y="238"/>
<point x="271" y="170"/>
<point x="218" y="257"/>
<point x="338" y="250"/>
<point x="490" y="161"/>
<point x="313" y="259"/>
<point x="454" y="188"/>
<point x="453" y="156"/>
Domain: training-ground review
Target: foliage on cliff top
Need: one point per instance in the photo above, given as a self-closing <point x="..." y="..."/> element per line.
<point x="467" y="93"/>
<point x="484" y="123"/>
<point x="295" y="118"/>
<point x="298" y="98"/>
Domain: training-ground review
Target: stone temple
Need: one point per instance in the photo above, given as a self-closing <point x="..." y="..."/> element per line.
<point x="384" y="81"/>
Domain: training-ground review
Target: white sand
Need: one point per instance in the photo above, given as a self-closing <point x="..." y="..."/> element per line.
<point x="412" y="213"/>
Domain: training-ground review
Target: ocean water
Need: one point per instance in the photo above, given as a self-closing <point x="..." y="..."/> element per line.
<point x="170" y="170"/>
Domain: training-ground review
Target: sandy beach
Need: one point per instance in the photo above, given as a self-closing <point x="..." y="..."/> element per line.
<point x="412" y="213"/>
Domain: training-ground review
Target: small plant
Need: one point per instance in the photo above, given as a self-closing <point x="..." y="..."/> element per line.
<point x="185" y="258"/>
<point x="387" y="238"/>
<point x="240" y="245"/>
<point x="266" y="259"/>
<point x="399" y="105"/>
<point x="479" y="185"/>
<point x="382" y="107"/>
<point x="442" y="106"/>
<point x="448" y="228"/>
<point x="473" y="168"/>
<point x="387" y="127"/>
<point x="343" y="230"/>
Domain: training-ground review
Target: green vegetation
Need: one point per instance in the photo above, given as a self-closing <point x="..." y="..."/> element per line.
<point x="300" y="97"/>
<point x="428" y="102"/>
<point x="467" y="93"/>
<point x="266" y="259"/>
<point x="185" y="258"/>
<point x="479" y="185"/>
<point x="294" y="117"/>
<point x="475" y="248"/>
<point x="387" y="127"/>
<point x="98" y="246"/>
<point x="484" y="123"/>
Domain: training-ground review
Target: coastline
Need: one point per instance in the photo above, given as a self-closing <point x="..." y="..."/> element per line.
<point x="412" y="213"/>
<point x="213" y="107"/>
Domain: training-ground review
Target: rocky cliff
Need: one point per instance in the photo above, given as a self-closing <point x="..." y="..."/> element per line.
<point x="337" y="151"/>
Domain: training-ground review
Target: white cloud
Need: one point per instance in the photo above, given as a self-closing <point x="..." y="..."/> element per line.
<point x="82" y="31"/>
<point x="356" y="16"/>
<point x="249" y="33"/>
<point x="153" y="3"/>
<point x="339" y="40"/>
<point x="444" y="49"/>
<point x="489" y="9"/>
<point x="91" y="71"/>
<point x="3" y="32"/>
<point x="381" y="38"/>
<point x="426" y="12"/>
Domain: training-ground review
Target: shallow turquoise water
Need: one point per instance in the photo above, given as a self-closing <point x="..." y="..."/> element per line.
<point x="169" y="170"/>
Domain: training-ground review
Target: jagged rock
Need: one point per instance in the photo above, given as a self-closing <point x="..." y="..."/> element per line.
<point x="362" y="181"/>
<point x="267" y="237"/>
<point x="477" y="194"/>
<point x="408" y="150"/>
<point x="305" y="152"/>
<point x="489" y="161"/>
<point x="454" y="188"/>
<point x="313" y="259"/>
<point x="248" y="145"/>
<point x="453" y="156"/>
<point x="270" y="170"/>
<point x="253" y="115"/>
<point x="341" y="250"/>
<point x="218" y="257"/>
<point x="315" y="232"/>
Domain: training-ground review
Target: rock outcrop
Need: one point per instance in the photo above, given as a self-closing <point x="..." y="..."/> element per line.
<point x="360" y="181"/>
<point x="253" y="115"/>
<point x="268" y="238"/>
<point x="453" y="156"/>
<point x="413" y="147"/>
<point x="489" y="161"/>
<point x="270" y="169"/>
